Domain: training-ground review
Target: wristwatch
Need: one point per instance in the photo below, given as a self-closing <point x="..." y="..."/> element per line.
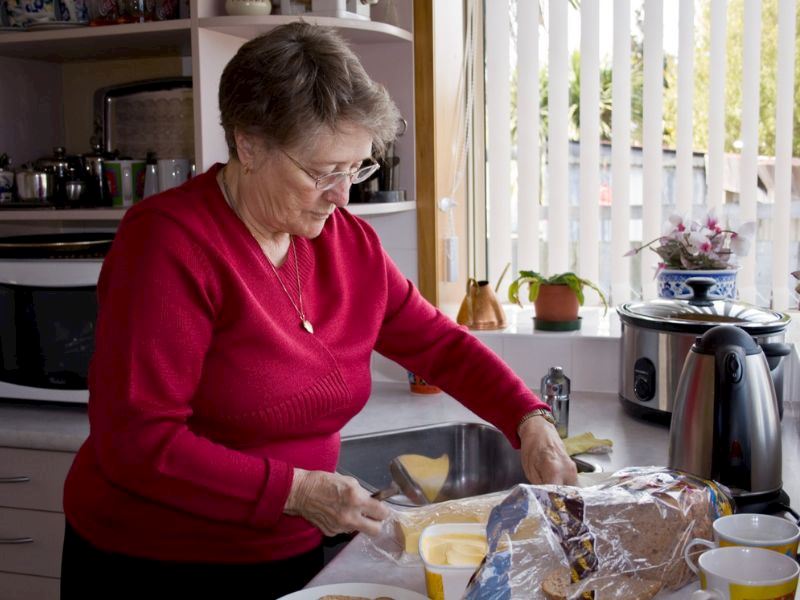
<point x="538" y="412"/>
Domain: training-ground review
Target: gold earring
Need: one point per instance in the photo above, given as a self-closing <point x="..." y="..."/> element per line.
<point x="247" y="169"/>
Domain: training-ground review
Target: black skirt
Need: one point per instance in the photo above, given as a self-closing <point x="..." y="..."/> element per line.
<point x="88" y="572"/>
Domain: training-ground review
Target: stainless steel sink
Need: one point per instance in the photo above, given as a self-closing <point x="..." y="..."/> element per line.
<point x="481" y="459"/>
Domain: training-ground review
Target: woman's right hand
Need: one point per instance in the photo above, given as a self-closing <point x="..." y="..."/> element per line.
<point x="334" y="503"/>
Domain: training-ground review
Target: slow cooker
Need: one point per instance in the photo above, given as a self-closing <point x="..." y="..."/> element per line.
<point x="658" y="334"/>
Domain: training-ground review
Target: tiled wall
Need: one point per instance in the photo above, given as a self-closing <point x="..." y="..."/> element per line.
<point x="398" y="233"/>
<point x="591" y="364"/>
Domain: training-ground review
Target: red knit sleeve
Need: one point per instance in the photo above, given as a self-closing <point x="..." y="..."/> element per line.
<point x="422" y="339"/>
<point x="157" y="299"/>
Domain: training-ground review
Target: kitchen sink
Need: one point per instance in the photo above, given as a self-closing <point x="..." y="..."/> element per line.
<point x="481" y="458"/>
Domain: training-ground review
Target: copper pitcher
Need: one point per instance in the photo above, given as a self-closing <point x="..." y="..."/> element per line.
<point x="480" y="308"/>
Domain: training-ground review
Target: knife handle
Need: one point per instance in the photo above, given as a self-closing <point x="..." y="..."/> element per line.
<point x="387" y="492"/>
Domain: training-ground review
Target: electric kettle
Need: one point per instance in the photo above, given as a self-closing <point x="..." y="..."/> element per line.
<point x="725" y="423"/>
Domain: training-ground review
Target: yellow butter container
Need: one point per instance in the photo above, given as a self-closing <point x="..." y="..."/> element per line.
<point x="451" y="553"/>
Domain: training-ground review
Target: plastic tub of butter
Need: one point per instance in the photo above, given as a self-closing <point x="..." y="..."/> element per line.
<point x="451" y="553"/>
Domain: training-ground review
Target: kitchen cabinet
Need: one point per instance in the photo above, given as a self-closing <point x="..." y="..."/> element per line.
<point x="49" y="77"/>
<point x="31" y="522"/>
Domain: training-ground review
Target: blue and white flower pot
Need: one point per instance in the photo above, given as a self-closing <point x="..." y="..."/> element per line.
<point x="672" y="283"/>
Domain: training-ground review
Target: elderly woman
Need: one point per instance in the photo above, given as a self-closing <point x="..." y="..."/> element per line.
<point x="237" y="318"/>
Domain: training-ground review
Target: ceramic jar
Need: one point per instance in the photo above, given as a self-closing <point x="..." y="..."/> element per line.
<point x="672" y="282"/>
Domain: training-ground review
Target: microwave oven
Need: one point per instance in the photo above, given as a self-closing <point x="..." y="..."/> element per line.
<point x="48" y="313"/>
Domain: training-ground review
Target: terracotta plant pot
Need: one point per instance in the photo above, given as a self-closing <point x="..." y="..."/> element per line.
<point x="556" y="303"/>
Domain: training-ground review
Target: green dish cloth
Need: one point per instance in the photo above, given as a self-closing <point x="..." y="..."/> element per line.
<point x="587" y="443"/>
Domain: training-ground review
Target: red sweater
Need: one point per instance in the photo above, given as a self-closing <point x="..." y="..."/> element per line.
<point x="205" y="392"/>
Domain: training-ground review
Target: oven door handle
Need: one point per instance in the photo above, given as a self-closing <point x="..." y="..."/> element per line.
<point x="18" y="479"/>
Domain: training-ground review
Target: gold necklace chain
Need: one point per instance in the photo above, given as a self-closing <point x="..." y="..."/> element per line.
<point x="304" y="322"/>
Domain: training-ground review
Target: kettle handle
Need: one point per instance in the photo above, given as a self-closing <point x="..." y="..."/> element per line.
<point x="775" y="351"/>
<point x="730" y="392"/>
<point x="472" y="286"/>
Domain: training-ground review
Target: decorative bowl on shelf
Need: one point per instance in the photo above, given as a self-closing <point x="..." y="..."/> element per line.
<point x="248" y="7"/>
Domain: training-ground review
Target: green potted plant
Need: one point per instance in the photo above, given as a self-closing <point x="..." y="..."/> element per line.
<point x="556" y="299"/>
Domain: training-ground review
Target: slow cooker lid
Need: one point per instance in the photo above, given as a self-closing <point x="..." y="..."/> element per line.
<point x="700" y="311"/>
<point x="716" y="312"/>
<point x="688" y="316"/>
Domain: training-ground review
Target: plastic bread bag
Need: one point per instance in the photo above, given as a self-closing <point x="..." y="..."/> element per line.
<point x="622" y="539"/>
<point x="399" y="537"/>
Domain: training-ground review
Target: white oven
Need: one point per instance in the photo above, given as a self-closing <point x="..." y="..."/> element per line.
<point x="48" y="312"/>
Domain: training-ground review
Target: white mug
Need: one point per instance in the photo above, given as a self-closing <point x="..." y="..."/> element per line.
<point x="122" y="177"/>
<point x="759" y="531"/>
<point x="172" y="172"/>
<point x="744" y="572"/>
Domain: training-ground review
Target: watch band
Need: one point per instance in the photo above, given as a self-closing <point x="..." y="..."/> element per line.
<point x="538" y="412"/>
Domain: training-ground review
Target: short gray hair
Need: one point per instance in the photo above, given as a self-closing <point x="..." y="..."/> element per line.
<point x="286" y="85"/>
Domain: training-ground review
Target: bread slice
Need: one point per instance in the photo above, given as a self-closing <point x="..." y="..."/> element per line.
<point x="558" y="586"/>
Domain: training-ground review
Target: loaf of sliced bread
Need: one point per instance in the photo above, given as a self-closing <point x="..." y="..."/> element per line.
<point x="621" y="540"/>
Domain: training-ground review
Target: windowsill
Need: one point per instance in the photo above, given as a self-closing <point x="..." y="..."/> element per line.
<point x="594" y="323"/>
<point x="591" y="356"/>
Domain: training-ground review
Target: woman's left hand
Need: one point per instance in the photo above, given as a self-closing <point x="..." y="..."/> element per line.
<point x="544" y="458"/>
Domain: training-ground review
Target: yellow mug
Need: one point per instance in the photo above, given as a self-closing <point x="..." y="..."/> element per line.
<point x="759" y="531"/>
<point x="744" y="573"/>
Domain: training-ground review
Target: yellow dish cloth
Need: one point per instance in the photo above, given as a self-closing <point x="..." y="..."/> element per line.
<point x="587" y="443"/>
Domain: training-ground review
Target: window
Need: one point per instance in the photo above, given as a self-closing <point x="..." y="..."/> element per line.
<point x="599" y="119"/>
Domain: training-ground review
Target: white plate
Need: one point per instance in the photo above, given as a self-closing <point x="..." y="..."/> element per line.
<point x="369" y="590"/>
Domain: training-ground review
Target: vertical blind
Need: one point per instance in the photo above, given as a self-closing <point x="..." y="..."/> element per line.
<point x="544" y="194"/>
<point x="498" y="117"/>
<point x="621" y="150"/>
<point x="785" y="102"/>
<point x="652" y="155"/>
<point x="528" y="131"/>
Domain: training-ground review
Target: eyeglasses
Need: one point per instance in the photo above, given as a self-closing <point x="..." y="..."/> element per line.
<point x="331" y="180"/>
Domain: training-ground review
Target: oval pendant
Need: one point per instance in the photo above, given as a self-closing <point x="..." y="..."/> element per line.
<point x="307" y="325"/>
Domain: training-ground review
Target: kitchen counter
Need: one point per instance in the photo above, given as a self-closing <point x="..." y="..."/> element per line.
<point x="636" y="442"/>
<point x="50" y="426"/>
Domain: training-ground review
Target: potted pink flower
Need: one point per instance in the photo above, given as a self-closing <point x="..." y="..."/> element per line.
<point x="698" y="249"/>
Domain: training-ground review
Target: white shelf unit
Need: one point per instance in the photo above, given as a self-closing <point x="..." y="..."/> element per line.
<point x="115" y="214"/>
<point x="357" y="31"/>
<point x="208" y="39"/>
<point x="82" y="214"/>
<point x="134" y="40"/>
<point x="385" y="208"/>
